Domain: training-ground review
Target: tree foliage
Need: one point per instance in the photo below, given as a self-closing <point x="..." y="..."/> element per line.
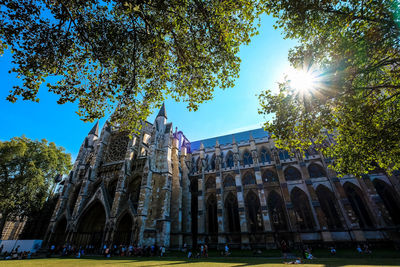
<point x="353" y="113"/>
<point x="130" y="53"/>
<point x="27" y="170"/>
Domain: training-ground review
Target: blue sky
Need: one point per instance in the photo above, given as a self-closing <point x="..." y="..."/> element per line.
<point x="263" y="62"/>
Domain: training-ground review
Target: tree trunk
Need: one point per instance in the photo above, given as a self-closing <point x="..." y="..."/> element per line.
<point x="2" y="224"/>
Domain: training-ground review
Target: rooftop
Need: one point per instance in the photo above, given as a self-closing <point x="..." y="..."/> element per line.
<point x="227" y="139"/>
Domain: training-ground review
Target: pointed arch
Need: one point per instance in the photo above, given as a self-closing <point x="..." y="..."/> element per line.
<point x="315" y="170"/>
<point x="232" y="221"/>
<point x="229" y="181"/>
<point x="248" y="178"/>
<point x="329" y="207"/>
<point x="210" y="183"/>
<point x="302" y="209"/>
<point x="229" y="159"/>
<point x="292" y="174"/>
<point x="247" y="158"/>
<point x="277" y="211"/>
<point x="283" y="155"/>
<point x="269" y="176"/>
<point x="264" y="155"/>
<point x="123" y="231"/>
<point x="359" y="205"/>
<point x="91" y="225"/>
<point x="390" y="199"/>
<point x="212" y="219"/>
<point x="254" y="215"/>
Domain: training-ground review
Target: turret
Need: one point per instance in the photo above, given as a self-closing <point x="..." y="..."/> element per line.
<point x="161" y="118"/>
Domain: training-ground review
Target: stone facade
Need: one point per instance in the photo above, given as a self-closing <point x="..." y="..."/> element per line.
<point x="158" y="188"/>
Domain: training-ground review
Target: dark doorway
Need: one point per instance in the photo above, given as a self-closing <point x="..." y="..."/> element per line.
<point x="124" y="230"/>
<point x="91" y="226"/>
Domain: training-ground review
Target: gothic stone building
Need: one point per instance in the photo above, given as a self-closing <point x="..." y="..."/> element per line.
<point x="159" y="188"/>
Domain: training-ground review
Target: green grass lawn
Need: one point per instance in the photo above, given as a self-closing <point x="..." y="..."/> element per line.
<point x="210" y="262"/>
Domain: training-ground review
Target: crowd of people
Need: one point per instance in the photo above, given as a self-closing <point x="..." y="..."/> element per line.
<point x="108" y="250"/>
<point x="133" y="250"/>
<point x="15" y="254"/>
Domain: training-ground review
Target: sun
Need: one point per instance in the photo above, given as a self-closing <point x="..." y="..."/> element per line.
<point x="302" y="81"/>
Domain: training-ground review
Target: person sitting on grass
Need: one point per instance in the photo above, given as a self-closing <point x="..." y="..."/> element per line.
<point x="333" y="251"/>
<point x="359" y="250"/>
<point x="309" y="256"/>
<point x="297" y="261"/>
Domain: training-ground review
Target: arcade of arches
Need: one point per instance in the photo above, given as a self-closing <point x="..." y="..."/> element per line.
<point x="160" y="188"/>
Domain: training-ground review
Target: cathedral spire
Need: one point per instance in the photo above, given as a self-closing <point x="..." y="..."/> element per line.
<point x="162" y="112"/>
<point x="95" y="129"/>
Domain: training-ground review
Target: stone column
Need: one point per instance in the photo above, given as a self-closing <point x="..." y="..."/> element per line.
<point x="242" y="211"/>
<point x="186" y="198"/>
<point x="176" y="199"/>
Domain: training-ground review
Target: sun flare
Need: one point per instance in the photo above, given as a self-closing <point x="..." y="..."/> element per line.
<point x="302" y="80"/>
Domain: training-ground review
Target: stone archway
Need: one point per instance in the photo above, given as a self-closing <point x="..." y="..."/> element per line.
<point x="359" y="205"/>
<point x="301" y="205"/>
<point x="276" y="209"/>
<point x="91" y="226"/>
<point x="390" y="200"/>
<point x="123" y="233"/>
<point x="329" y="207"/>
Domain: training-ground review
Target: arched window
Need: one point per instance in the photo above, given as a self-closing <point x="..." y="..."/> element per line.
<point x="247" y="159"/>
<point x="254" y="216"/>
<point x="210" y="183"/>
<point x="390" y="199"/>
<point x="269" y="176"/>
<point x="292" y="174"/>
<point x="358" y="205"/>
<point x="212" y="214"/>
<point x="229" y="160"/>
<point x="283" y="155"/>
<point x="229" y="181"/>
<point x="277" y="211"/>
<point x="316" y="171"/>
<point x="302" y="209"/>
<point x="212" y="162"/>
<point x="329" y="207"/>
<point x="249" y="179"/>
<point x="232" y="213"/>
<point x="264" y="156"/>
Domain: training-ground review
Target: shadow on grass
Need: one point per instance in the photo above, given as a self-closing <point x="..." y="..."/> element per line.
<point x="245" y="261"/>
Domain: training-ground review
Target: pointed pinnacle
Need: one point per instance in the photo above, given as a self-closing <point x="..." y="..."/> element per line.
<point x="95" y="129"/>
